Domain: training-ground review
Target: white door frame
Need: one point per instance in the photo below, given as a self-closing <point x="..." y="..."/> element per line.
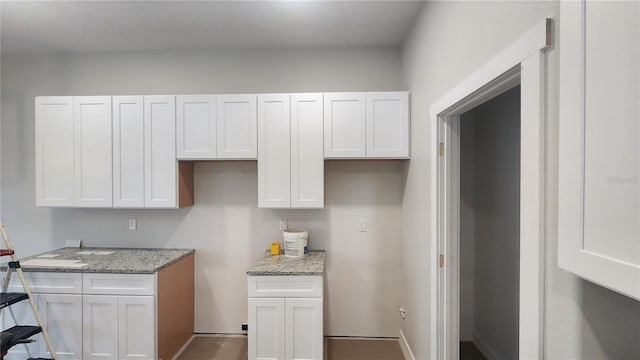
<point x="524" y="63"/>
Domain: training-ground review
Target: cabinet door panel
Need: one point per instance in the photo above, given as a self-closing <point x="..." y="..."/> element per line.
<point x="100" y="327"/>
<point x="24" y="316"/>
<point x="237" y="127"/>
<point x="93" y="169"/>
<point x="344" y="125"/>
<point x="599" y="191"/>
<point x="196" y="126"/>
<point x="128" y="152"/>
<point x="54" y="151"/>
<point x="274" y="155"/>
<point x="266" y="329"/>
<point x="160" y="152"/>
<point x="307" y="151"/>
<point x="303" y="336"/>
<point x="62" y="317"/>
<point x="136" y="327"/>
<point x="387" y="125"/>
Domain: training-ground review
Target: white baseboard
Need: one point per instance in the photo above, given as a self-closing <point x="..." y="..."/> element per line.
<point x="404" y="346"/>
<point x="177" y="355"/>
<point x="484" y="348"/>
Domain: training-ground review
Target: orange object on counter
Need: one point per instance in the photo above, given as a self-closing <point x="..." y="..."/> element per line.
<point x="275" y="248"/>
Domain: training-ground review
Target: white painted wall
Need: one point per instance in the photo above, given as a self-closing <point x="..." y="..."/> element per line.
<point x="226" y="228"/>
<point x="450" y="41"/>
<point x="467" y="225"/>
<point x="496" y="206"/>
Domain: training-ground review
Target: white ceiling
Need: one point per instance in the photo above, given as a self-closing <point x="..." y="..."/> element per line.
<point x="79" y="26"/>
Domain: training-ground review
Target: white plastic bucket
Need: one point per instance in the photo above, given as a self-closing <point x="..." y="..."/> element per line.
<point x="295" y="241"/>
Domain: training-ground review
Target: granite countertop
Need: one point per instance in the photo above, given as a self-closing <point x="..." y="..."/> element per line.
<point x="105" y="260"/>
<point x="267" y="264"/>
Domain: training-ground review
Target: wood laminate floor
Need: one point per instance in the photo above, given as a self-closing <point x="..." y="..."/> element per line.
<point x="235" y="348"/>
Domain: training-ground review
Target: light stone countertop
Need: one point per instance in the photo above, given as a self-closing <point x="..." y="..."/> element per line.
<point x="121" y="261"/>
<point x="273" y="265"/>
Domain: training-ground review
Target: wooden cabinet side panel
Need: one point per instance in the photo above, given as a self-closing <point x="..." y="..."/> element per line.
<point x="175" y="307"/>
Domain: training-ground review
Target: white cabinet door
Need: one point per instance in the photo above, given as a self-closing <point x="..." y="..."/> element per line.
<point x="303" y="337"/>
<point x="599" y="143"/>
<point x="62" y="317"/>
<point x="93" y="170"/>
<point x="266" y="329"/>
<point x="136" y="327"/>
<point x="24" y="316"/>
<point x="128" y="152"/>
<point x="160" y="152"/>
<point x="307" y="151"/>
<point x="387" y="124"/>
<point x="274" y="153"/>
<point x="344" y="125"/>
<point x="100" y="327"/>
<point x="237" y="127"/>
<point x="196" y="126"/>
<point x="54" y="151"/>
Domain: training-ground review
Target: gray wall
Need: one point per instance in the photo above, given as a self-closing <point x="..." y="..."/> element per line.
<point x="495" y="165"/>
<point x="224" y="226"/>
<point x="450" y="41"/>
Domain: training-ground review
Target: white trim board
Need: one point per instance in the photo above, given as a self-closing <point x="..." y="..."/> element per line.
<point x="523" y="62"/>
<point x="404" y="346"/>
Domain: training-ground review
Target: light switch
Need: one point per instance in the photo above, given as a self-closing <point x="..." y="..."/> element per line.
<point x="363" y="225"/>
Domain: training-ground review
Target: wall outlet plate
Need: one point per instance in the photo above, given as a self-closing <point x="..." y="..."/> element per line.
<point x="245" y="327"/>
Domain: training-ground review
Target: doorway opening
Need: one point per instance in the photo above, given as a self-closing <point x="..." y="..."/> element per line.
<point x="521" y="65"/>
<point x="489" y="228"/>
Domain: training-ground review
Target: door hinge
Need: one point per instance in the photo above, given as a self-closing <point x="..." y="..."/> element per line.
<point x="441" y="149"/>
<point x="441" y="261"/>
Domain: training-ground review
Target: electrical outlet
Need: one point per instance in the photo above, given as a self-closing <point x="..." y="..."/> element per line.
<point x="284" y="224"/>
<point x="133" y="224"/>
<point x="245" y="327"/>
<point x="363" y="225"/>
<point x="403" y="312"/>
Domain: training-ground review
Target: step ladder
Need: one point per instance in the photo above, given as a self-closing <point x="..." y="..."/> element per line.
<point x="19" y="334"/>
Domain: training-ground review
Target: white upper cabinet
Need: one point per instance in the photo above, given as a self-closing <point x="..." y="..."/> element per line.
<point x="307" y="151"/>
<point x="196" y="127"/>
<point x="93" y="176"/>
<point x="160" y="167"/>
<point x="387" y="124"/>
<point x="274" y="152"/>
<point x="290" y="153"/>
<point x="54" y="151"/>
<point x="128" y="152"/>
<point x="236" y="127"/>
<point x="599" y="164"/>
<point x="344" y="125"/>
<point x="366" y="125"/>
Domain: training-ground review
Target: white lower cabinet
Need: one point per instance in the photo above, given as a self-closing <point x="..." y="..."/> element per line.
<point x="62" y="317"/>
<point x="136" y="327"/>
<point x="282" y="325"/>
<point x="99" y="330"/>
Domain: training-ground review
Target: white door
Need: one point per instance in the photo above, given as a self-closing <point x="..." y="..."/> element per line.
<point x="24" y="316"/>
<point x="196" y="126"/>
<point x="136" y="327"/>
<point x="303" y="337"/>
<point x="128" y="152"/>
<point x="274" y="151"/>
<point x="344" y="125"/>
<point x="160" y="173"/>
<point x="237" y="127"/>
<point x="62" y="317"/>
<point x="266" y="329"/>
<point x="307" y="151"/>
<point x="387" y="124"/>
<point x="54" y="151"/>
<point x="93" y="166"/>
<point x="599" y="191"/>
<point x="100" y="327"/>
